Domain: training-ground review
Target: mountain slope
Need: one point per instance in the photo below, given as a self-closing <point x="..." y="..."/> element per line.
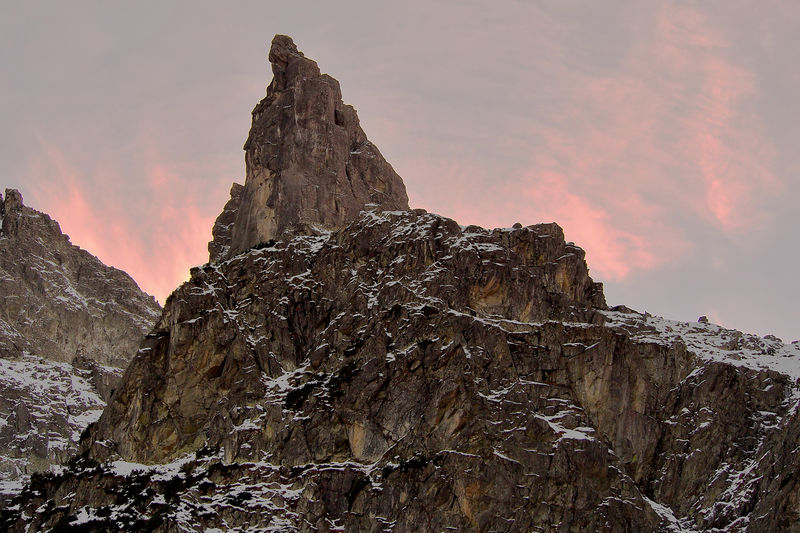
<point x="60" y="301"/>
<point x="395" y="371"/>
<point x="68" y="324"/>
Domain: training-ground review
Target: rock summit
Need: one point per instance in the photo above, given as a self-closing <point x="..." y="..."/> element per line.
<point x="308" y="162"/>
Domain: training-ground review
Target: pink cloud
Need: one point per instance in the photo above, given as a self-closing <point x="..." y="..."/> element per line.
<point x="630" y="160"/>
<point x="670" y="136"/>
<point x="614" y="251"/>
<point x="155" y="238"/>
<point x="65" y="199"/>
<point x="721" y="132"/>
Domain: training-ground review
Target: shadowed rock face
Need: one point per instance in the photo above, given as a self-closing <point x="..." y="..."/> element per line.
<point x="220" y="245"/>
<point x="308" y="162"/>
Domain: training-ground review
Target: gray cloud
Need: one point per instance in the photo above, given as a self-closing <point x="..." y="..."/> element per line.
<point x="493" y="113"/>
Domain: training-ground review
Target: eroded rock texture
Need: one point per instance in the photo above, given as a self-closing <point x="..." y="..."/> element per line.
<point x="60" y="301"/>
<point x="220" y="246"/>
<point x="390" y="370"/>
<point x="68" y="324"/>
<point x="290" y="304"/>
<point x="308" y="162"/>
<point x="408" y="374"/>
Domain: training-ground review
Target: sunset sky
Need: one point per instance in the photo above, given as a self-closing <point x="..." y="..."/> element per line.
<point x="664" y="137"/>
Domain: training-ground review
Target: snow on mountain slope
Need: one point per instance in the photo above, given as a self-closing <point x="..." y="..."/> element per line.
<point x="45" y="407"/>
<point x="711" y="342"/>
<point x="68" y="325"/>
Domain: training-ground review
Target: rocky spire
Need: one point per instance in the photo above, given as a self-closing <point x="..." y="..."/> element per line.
<point x="10" y="211"/>
<point x="308" y="162"/>
<point x="220" y="244"/>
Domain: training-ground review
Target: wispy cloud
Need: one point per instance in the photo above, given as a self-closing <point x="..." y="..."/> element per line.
<point x="154" y="236"/>
<point x="668" y="137"/>
<point x="722" y="135"/>
<point x="631" y="154"/>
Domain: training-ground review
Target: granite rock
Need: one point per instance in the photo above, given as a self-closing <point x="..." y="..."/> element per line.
<point x="308" y="162"/>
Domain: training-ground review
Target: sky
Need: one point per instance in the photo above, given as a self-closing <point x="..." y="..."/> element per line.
<point x="662" y="136"/>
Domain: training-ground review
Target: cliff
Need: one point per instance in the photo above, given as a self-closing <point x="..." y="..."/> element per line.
<point x="308" y="162"/>
<point x="68" y="326"/>
<point x="392" y="370"/>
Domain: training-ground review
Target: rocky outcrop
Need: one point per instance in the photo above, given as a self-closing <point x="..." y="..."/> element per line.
<point x="220" y="246"/>
<point x="721" y="457"/>
<point x="295" y="299"/>
<point x="405" y="373"/>
<point x="400" y="372"/>
<point x="60" y="301"/>
<point x="68" y="324"/>
<point x="308" y="162"/>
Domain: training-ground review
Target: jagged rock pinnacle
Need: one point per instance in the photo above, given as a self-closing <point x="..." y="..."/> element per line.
<point x="308" y="162"/>
<point x="9" y="211"/>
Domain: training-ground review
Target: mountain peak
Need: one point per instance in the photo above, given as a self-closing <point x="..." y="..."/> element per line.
<point x="288" y="63"/>
<point x="281" y="48"/>
<point x="13" y="199"/>
<point x="308" y="162"/>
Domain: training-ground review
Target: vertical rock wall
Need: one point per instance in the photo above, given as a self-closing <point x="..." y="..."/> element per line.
<point x="308" y="162"/>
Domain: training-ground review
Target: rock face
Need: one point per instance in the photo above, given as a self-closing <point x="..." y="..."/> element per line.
<point x="45" y="406"/>
<point x="59" y="301"/>
<point x="220" y="246"/>
<point x="308" y="162"/>
<point x="295" y="299"/>
<point x="404" y="373"/>
<point x="68" y="324"/>
<point x="408" y="374"/>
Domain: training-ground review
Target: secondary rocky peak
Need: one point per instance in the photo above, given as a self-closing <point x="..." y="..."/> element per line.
<point x="308" y="162"/>
<point x="13" y="200"/>
<point x="68" y="325"/>
<point x="220" y="244"/>
<point x="60" y="300"/>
